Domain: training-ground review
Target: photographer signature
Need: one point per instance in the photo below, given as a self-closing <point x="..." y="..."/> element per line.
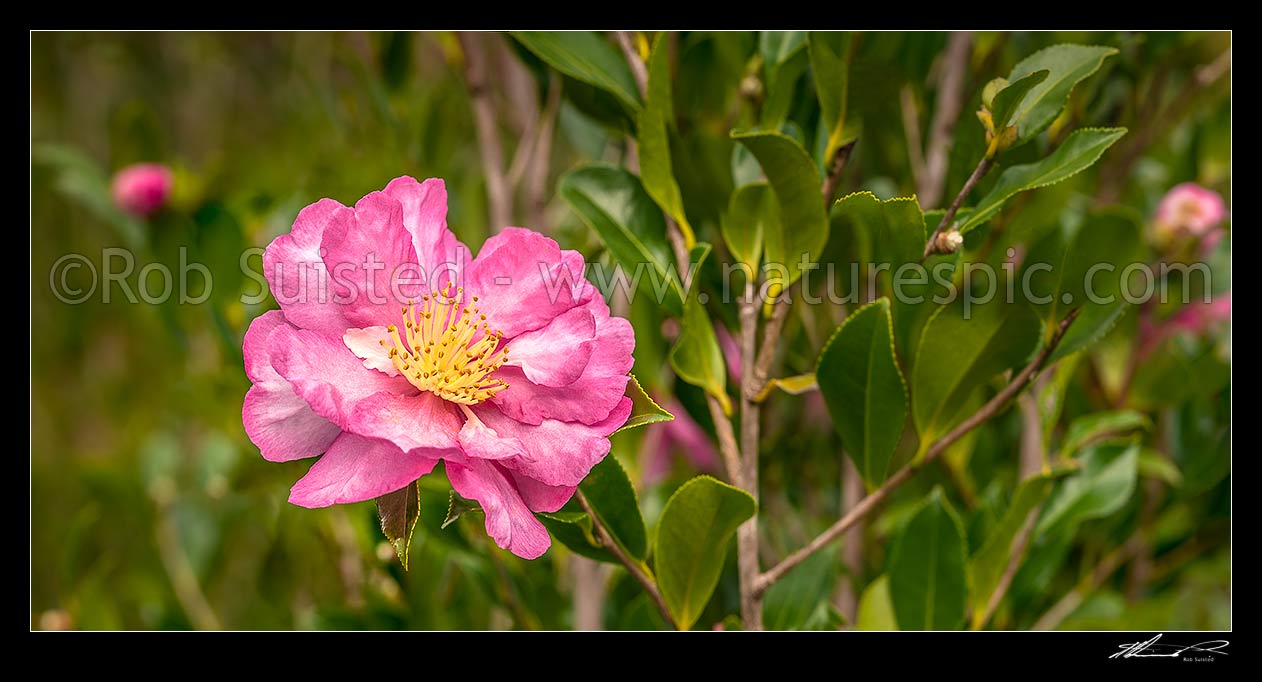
<point x="1153" y="649"/>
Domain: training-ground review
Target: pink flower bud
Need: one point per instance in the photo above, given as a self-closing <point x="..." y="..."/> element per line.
<point x="1189" y="209"/>
<point x="1200" y="317"/>
<point x="142" y="188"/>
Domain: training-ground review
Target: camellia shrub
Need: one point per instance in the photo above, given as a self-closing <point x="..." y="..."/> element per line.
<point x="770" y="330"/>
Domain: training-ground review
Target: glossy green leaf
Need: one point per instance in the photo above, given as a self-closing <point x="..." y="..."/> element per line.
<point x="574" y="530"/>
<point x="1077" y="153"/>
<point x="752" y="213"/>
<point x="784" y="62"/>
<point x="587" y="57"/>
<point x="830" y="56"/>
<point x="644" y="410"/>
<point x="987" y="566"/>
<point x="864" y="390"/>
<point x="928" y="579"/>
<point x="957" y="356"/>
<point x="656" y="121"/>
<point x="398" y="512"/>
<point x="1153" y="463"/>
<point x="696" y="356"/>
<point x="612" y="202"/>
<point x="876" y="609"/>
<point x="609" y="492"/>
<point x="1067" y="66"/>
<point x="1101" y="486"/>
<point x="458" y="506"/>
<point x="794" y="602"/>
<point x="803" y="225"/>
<point x="1095" y="426"/>
<point x="895" y="226"/>
<point x="1005" y="102"/>
<point x="692" y="537"/>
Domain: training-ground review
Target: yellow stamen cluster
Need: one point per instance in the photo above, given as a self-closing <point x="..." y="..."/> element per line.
<point x="435" y="352"/>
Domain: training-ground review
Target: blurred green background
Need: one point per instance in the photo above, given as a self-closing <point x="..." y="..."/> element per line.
<point x="150" y="507"/>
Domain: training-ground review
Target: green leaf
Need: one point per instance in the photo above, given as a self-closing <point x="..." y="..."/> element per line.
<point x="830" y="54"/>
<point x="928" y="581"/>
<point x="778" y="47"/>
<point x="794" y="601"/>
<point x="398" y="512"/>
<point x="613" y="203"/>
<point x="696" y="356"/>
<point x="989" y="563"/>
<point x="803" y="225"/>
<point x="794" y="385"/>
<point x="1153" y="463"/>
<point x="1081" y="149"/>
<point x="896" y="226"/>
<point x="957" y="356"/>
<point x="83" y="181"/>
<point x="1067" y="66"/>
<point x="656" y="120"/>
<point x="574" y="530"/>
<point x="1059" y="267"/>
<point x="458" y="506"/>
<point x="784" y="62"/>
<point x="692" y="538"/>
<point x="876" y="609"/>
<point x="1100" y="487"/>
<point x="859" y="378"/>
<point x="609" y="492"/>
<point x="1005" y="102"/>
<point x="752" y="213"/>
<point x="1093" y="427"/>
<point x="587" y="57"/>
<point x="644" y="410"/>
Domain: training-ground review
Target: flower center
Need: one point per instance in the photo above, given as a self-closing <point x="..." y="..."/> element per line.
<point x="437" y="352"/>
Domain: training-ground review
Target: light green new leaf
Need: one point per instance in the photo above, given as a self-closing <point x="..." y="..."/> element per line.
<point x="989" y="563"/>
<point x="1067" y="65"/>
<point x="585" y="56"/>
<point x="609" y="492"/>
<point x="644" y="410"/>
<point x="927" y="568"/>
<point x="859" y="378"/>
<point x="696" y="356"/>
<point x="794" y="385"/>
<point x="957" y="356"/>
<point x="656" y="120"/>
<point x="876" y="609"/>
<point x="1081" y="149"/>
<point x="1004" y="105"/>
<point x="1101" y="486"/>
<point x="830" y="56"/>
<point x="1155" y="464"/>
<point x="1093" y="427"/>
<point x="752" y="213"/>
<point x="692" y="537"/>
<point x="398" y="512"/>
<point x="613" y="203"/>
<point x="803" y="225"/>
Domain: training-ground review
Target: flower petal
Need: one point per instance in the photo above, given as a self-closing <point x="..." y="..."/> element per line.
<point x="295" y="269"/>
<point x="591" y="397"/>
<point x="540" y="497"/>
<point x="356" y="469"/>
<point x="372" y="262"/>
<point x="560" y="453"/>
<point x="480" y="441"/>
<point x="418" y="423"/>
<point x="325" y="373"/>
<point x="508" y="520"/>
<point x="366" y="343"/>
<point x="425" y="217"/>
<point x="279" y="422"/>
<point x="557" y="354"/>
<point x="524" y="280"/>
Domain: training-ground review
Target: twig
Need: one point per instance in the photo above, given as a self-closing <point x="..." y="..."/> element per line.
<point x="770" y="339"/>
<point x="183" y="577"/>
<point x="747" y="535"/>
<point x="541" y="158"/>
<point x="1019" y="545"/>
<point x="945" y="115"/>
<point x="638" y="70"/>
<point x="982" y="167"/>
<point x="838" y="164"/>
<point x="867" y="504"/>
<point x="633" y="567"/>
<point x="499" y="198"/>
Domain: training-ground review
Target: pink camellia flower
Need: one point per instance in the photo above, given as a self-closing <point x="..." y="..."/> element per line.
<point x="142" y="188"/>
<point x="1189" y="209"/>
<point x="1200" y="317"/>
<point x="681" y="435"/>
<point x="393" y="349"/>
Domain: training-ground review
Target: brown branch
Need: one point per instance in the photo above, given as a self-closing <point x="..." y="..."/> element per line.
<point x="838" y="164"/>
<point x="770" y="339"/>
<point x="499" y="198"/>
<point x="1019" y="546"/>
<point x="986" y="164"/>
<point x="633" y="567"/>
<point x="867" y="504"/>
<point x="747" y="535"/>
<point x="541" y="158"/>
<point x="638" y="70"/>
<point x="946" y="113"/>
